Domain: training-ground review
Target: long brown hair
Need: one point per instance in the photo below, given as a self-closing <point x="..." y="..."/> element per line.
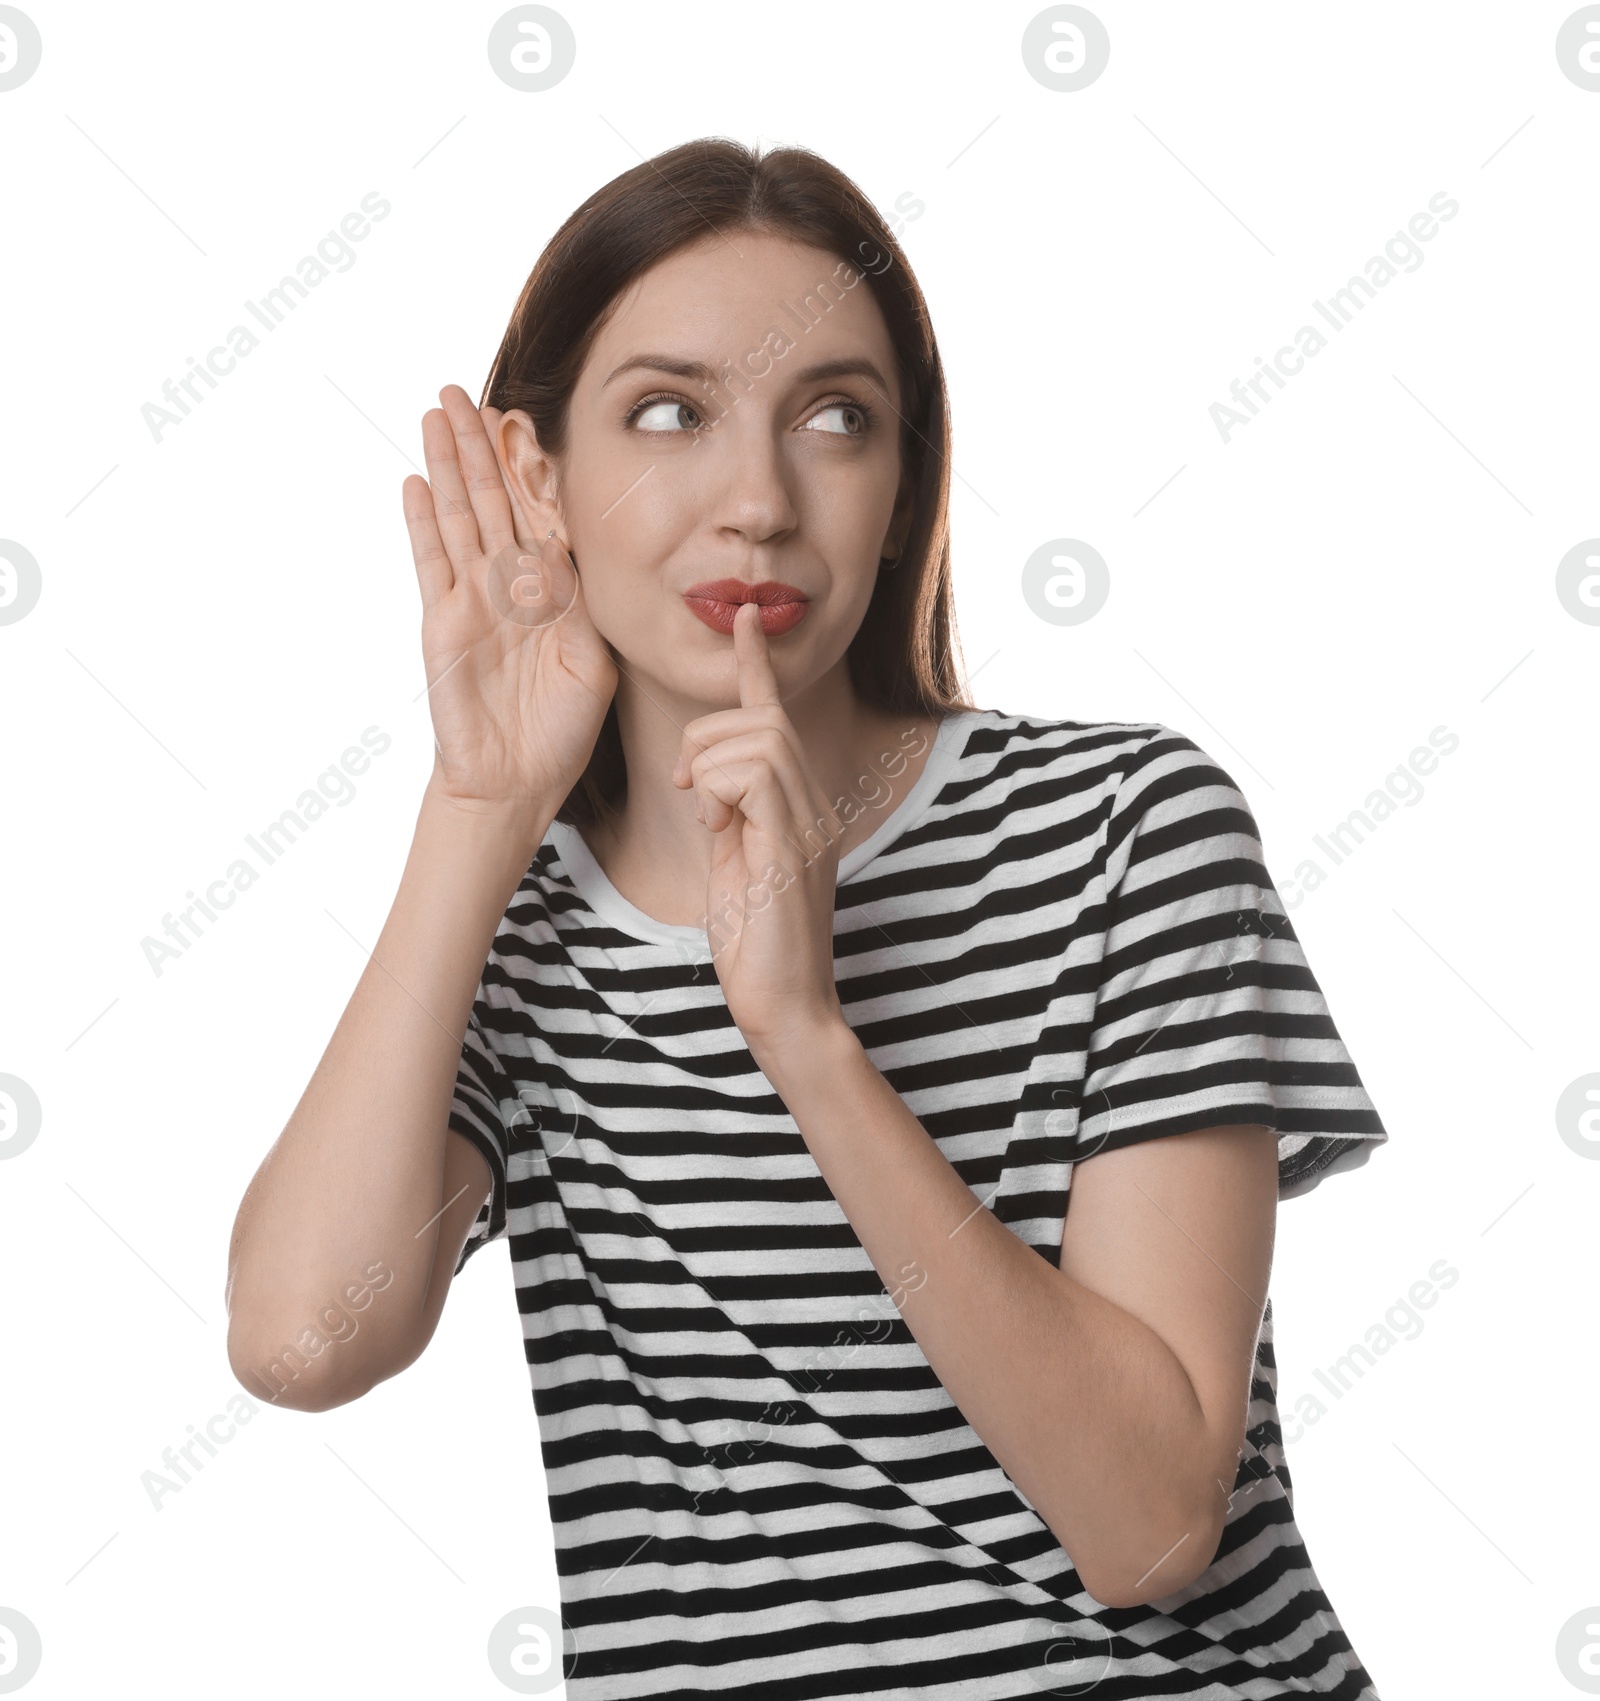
<point x="905" y="656"/>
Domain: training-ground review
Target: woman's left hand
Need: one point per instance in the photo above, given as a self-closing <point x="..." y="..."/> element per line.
<point x="774" y="857"/>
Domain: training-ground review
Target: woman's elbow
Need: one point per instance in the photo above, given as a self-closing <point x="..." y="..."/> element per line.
<point x="293" y="1378"/>
<point x="1184" y="1550"/>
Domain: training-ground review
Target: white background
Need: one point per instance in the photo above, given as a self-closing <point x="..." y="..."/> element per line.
<point x="224" y="611"/>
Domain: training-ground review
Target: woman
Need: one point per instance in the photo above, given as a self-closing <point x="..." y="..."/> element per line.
<point x="796" y="993"/>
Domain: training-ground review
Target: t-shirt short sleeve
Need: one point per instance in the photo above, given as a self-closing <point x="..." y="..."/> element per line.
<point x="1207" y="1012"/>
<point x="475" y="1114"/>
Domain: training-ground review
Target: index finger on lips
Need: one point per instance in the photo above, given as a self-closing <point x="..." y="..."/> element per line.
<point x="758" y="684"/>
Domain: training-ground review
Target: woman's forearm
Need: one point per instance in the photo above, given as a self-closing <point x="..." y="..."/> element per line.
<point x="356" y="1175"/>
<point x="1085" y="1407"/>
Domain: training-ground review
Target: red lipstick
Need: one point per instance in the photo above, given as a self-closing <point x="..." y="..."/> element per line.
<point x="716" y="602"/>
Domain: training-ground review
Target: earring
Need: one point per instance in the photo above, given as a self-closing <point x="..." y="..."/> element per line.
<point x="570" y="556"/>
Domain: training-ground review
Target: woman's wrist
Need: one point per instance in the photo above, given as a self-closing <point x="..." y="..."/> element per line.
<point x="823" y="1049"/>
<point x="504" y="832"/>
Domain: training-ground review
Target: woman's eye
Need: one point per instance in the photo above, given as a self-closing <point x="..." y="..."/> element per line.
<point x="854" y="413"/>
<point x="659" y="416"/>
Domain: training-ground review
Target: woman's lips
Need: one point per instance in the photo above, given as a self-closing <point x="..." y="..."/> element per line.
<point x="716" y="602"/>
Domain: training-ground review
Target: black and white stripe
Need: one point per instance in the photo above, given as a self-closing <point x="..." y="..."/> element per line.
<point x="1064" y="940"/>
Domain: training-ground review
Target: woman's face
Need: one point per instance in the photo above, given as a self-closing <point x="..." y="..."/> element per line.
<point x="761" y="467"/>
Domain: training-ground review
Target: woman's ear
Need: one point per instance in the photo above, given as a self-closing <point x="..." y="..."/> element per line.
<point x="894" y="542"/>
<point x="527" y="472"/>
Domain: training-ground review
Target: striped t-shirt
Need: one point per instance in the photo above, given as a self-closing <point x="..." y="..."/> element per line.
<point x="1061" y="941"/>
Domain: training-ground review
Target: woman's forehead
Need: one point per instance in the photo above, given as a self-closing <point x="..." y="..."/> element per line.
<point x="717" y="303"/>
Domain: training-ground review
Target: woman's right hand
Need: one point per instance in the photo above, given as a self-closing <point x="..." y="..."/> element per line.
<point x="518" y="700"/>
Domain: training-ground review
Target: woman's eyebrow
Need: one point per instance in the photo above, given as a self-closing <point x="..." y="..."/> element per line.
<point x="845" y="367"/>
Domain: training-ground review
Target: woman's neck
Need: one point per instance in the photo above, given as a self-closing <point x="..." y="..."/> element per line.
<point x="863" y="759"/>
